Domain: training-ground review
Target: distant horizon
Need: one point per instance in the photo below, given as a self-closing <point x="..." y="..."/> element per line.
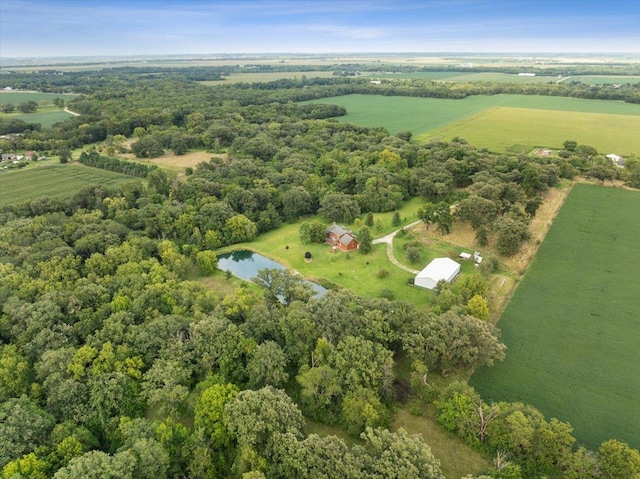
<point x="7" y="62"/>
<point x="75" y="28"/>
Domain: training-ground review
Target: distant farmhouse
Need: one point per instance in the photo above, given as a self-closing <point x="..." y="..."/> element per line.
<point x="341" y="238"/>
<point x="439" y="269"/>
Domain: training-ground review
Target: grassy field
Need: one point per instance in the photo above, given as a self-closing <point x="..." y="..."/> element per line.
<point x="45" y="116"/>
<point x="456" y="458"/>
<point x="572" y="327"/>
<point x="498" y="129"/>
<point x="602" y="80"/>
<point x="60" y="181"/>
<point x="17" y="97"/>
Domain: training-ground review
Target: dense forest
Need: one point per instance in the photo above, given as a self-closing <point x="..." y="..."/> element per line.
<point x="116" y="362"/>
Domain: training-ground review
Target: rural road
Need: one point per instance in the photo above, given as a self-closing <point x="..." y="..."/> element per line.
<point x="389" y="240"/>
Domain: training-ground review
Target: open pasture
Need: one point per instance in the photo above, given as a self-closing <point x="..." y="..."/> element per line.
<point x="60" y="181"/>
<point x="572" y="328"/>
<point x="498" y="129"/>
<point x="17" y="97"/>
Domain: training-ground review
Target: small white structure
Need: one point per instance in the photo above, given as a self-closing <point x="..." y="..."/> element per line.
<point x="477" y="257"/>
<point x="464" y="255"/>
<point x="439" y="269"/>
<point x="617" y="159"/>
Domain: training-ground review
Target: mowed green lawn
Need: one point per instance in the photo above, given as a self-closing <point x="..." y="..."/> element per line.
<point x="498" y="129"/>
<point x="355" y="271"/>
<point x="60" y="181"/>
<point x="573" y="326"/>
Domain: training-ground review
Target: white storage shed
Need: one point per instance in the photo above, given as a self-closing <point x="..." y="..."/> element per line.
<point x="438" y="269"/>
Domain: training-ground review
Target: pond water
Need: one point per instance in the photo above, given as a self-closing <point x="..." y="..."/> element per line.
<point x="245" y="265"/>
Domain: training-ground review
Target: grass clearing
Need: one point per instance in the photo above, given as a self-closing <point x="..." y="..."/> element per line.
<point x="499" y="128"/>
<point x="456" y="458"/>
<point x="572" y="327"/>
<point x="59" y="181"/>
<point x="174" y="162"/>
<point x="355" y="271"/>
<point x="17" y="97"/>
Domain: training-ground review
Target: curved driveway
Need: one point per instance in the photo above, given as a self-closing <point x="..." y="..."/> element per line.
<point x="389" y="240"/>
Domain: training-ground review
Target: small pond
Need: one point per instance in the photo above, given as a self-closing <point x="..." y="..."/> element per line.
<point x="245" y="265"/>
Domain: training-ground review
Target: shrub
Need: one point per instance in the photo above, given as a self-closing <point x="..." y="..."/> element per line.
<point x="413" y="255"/>
<point x="383" y="273"/>
<point x="387" y="294"/>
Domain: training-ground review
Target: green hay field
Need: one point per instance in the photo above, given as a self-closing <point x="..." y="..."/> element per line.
<point x="497" y="129"/>
<point x="60" y="181"/>
<point x="573" y="326"/>
<point x="421" y="115"/>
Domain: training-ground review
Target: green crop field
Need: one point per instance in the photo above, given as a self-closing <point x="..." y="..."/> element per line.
<point x="444" y="76"/>
<point x="573" y="326"/>
<point x="609" y="126"/>
<point x="45" y="116"/>
<point x="61" y="181"/>
<point x="465" y="77"/>
<point x="500" y="78"/>
<point x="500" y="128"/>
<point x="17" y="97"/>
<point x="602" y="79"/>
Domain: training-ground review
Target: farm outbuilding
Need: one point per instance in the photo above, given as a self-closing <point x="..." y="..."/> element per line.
<point x="439" y="269"/>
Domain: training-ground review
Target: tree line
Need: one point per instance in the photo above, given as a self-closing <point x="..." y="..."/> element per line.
<point x="96" y="160"/>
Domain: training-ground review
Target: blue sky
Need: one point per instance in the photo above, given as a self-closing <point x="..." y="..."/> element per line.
<point x="141" y="27"/>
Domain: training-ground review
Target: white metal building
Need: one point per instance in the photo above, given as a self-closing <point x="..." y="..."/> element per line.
<point x="438" y="269"/>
